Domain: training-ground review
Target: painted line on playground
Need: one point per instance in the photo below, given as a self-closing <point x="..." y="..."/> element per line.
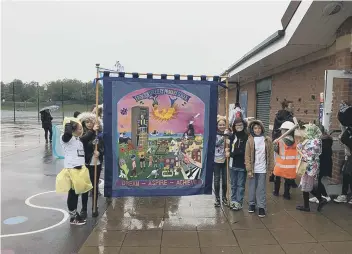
<point x="16" y="152"/>
<point x="27" y="202"/>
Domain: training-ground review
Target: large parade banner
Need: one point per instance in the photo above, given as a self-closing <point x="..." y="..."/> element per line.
<point x="159" y="136"/>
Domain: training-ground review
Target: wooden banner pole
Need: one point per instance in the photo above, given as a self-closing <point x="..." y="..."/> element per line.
<point x="226" y="143"/>
<point x="95" y="212"/>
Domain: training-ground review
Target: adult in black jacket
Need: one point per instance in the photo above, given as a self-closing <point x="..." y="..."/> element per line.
<point x="89" y="139"/>
<point x="237" y="166"/>
<point x="283" y="115"/>
<point x="46" y="119"/>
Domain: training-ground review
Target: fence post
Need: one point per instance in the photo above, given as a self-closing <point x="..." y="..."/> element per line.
<point x="14" y="101"/>
<point x="87" y="95"/>
<point x="38" y="100"/>
<point x="62" y="100"/>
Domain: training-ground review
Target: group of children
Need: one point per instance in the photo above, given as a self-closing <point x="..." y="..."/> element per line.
<point x="81" y="134"/>
<point x="252" y="154"/>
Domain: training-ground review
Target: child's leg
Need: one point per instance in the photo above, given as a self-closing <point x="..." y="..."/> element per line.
<point x="72" y="200"/>
<point x="251" y="190"/>
<point x="241" y="183"/>
<point x="85" y="201"/>
<point x="277" y="184"/>
<point x="224" y="180"/>
<point x="321" y="187"/>
<point x="287" y="186"/>
<point x="234" y="176"/>
<point x="345" y="184"/>
<point x="261" y="190"/>
<point x="217" y="168"/>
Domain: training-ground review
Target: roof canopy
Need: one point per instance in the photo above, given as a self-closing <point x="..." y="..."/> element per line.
<point x="307" y="28"/>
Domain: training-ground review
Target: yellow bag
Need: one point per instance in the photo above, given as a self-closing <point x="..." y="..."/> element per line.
<point x="80" y="180"/>
<point x="301" y="166"/>
<point x="63" y="181"/>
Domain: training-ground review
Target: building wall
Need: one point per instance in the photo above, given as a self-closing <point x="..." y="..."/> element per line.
<point x="250" y="88"/>
<point x="231" y="99"/>
<point x="303" y="86"/>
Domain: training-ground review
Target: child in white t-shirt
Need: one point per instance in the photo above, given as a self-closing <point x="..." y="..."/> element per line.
<point x="74" y="159"/>
<point x="259" y="158"/>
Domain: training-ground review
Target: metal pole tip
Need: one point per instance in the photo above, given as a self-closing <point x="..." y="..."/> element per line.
<point x="97" y="65"/>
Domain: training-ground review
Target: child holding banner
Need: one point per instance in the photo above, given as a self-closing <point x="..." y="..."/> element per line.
<point x="220" y="162"/>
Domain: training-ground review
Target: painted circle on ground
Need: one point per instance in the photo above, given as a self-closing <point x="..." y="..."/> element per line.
<point x="15" y="220"/>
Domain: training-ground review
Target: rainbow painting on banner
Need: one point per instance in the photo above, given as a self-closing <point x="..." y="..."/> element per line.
<point x="162" y="135"/>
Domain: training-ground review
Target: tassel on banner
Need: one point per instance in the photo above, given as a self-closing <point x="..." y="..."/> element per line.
<point x="104" y="73"/>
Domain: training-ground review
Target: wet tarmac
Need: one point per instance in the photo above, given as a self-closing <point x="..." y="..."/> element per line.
<point x="30" y="223"/>
<point x="191" y="225"/>
<point x="156" y="225"/>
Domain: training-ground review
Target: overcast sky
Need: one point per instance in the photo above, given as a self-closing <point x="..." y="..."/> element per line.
<point x="48" y="41"/>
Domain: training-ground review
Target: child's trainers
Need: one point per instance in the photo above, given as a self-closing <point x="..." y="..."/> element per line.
<point x="217" y="202"/>
<point x="261" y="212"/>
<point x="234" y="205"/>
<point x="341" y="199"/>
<point x="83" y="215"/>
<point x="238" y="207"/>
<point x="225" y="202"/>
<point x="251" y="209"/>
<point x="77" y="220"/>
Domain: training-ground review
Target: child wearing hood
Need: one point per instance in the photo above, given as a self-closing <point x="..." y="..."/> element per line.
<point x="238" y="171"/>
<point x="325" y="168"/>
<point x="89" y="139"/>
<point x="310" y="150"/>
<point x="259" y="159"/>
<point x="220" y="162"/>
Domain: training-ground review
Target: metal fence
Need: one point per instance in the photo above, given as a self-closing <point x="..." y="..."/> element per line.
<point x="17" y="106"/>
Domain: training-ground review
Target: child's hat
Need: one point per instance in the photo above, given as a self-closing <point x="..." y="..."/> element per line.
<point x="221" y="118"/>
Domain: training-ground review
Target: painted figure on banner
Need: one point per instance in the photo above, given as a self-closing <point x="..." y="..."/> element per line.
<point x="165" y="135"/>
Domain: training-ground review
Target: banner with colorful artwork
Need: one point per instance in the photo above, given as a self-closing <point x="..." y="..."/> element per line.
<point x="159" y="136"/>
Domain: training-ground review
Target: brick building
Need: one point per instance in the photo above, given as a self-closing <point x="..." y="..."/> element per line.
<point x="296" y="63"/>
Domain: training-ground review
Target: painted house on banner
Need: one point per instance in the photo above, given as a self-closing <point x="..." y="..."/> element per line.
<point x="309" y="57"/>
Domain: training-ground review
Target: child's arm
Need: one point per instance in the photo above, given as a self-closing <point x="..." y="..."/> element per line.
<point x="248" y="160"/>
<point x="271" y="163"/>
<point x="67" y="133"/>
<point x="276" y="147"/>
<point x="87" y="136"/>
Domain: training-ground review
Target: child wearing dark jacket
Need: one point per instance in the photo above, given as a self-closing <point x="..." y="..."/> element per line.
<point x="89" y="140"/>
<point x="237" y="166"/>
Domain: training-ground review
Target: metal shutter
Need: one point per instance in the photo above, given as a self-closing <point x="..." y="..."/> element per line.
<point x="263" y="108"/>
